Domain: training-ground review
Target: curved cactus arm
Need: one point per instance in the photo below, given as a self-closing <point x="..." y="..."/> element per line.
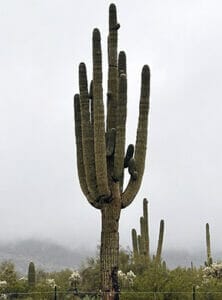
<point x="132" y="169"/>
<point x="87" y="134"/>
<point x="112" y="68"/>
<point x="129" y="155"/>
<point x="120" y="129"/>
<point x="79" y="153"/>
<point x="141" y="140"/>
<point x="98" y="118"/>
<point x="160" y="243"/>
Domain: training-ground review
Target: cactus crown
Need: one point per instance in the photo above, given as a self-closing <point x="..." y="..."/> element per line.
<point x="101" y="155"/>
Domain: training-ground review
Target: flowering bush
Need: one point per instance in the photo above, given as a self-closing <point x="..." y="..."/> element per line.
<point x="51" y="282"/>
<point x="126" y="279"/>
<point x="74" y="278"/>
<point x="213" y="271"/>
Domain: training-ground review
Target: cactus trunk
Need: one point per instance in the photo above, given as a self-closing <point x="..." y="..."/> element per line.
<point x="109" y="250"/>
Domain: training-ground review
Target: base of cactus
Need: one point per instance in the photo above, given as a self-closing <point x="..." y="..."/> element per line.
<point x="109" y="250"/>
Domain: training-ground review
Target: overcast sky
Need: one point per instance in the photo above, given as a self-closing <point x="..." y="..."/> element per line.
<point x="42" y="43"/>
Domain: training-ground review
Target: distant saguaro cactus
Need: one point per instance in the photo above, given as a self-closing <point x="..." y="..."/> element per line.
<point x="31" y="275"/>
<point x="100" y="148"/>
<point x="209" y="257"/>
<point x="141" y="242"/>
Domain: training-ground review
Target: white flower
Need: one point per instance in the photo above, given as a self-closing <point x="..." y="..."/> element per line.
<point x="75" y="276"/>
<point x="23" y="279"/>
<point x="51" y="282"/>
<point x="213" y="271"/>
<point x="130" y="275"/>
<point x="121" y="275"/>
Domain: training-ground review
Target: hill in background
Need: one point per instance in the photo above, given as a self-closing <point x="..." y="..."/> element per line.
<point x="50" y="256"/>
<point x="46" y="255"/>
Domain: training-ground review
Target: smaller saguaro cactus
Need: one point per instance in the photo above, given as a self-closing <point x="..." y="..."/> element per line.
<point x="209" y="260"/>
<point x="141" y="242"/>
<point x="160" y="243"/>
<point x="31" y="275"/>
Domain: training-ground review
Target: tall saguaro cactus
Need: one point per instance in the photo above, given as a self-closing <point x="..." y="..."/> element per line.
<point x="101" y="157"/>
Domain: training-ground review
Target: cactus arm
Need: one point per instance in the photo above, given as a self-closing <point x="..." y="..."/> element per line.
<point x="79" y="153"/>
<point x="87" y="134"/>
<point x="135" y="243"/>
<point x="132" y="169"/>
<point x="141" y="140"/>
<point x="140" y="246"/>
<point x="160" y="242"/>
<point x="91" y="104"/>
<point x="129" y="155"/>
<point x="120" y="129"/>
<point x="99" y="126"/>
<point x="110" y="142"/>
<point x="112" y="68"/>
<point x="122" y="63"/>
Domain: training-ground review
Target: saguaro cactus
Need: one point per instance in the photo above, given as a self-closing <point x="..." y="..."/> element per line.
<point x="209" y="257"/>
<point x="160" y="243"/>
<point x="100" y="148"/>
<point x="31" y="275"/>
<point x="141" y="243"/>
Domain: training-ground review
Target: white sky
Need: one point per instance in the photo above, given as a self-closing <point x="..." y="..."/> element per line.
<point x="42" y="43"/>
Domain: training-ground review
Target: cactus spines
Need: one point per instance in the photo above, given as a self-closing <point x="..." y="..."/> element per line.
<point x="101" y="149"/>
<point x="209" y="257"/>
<point x="31" y="275"/>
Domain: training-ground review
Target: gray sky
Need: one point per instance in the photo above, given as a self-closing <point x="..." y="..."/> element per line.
<point x="42" y="43"/>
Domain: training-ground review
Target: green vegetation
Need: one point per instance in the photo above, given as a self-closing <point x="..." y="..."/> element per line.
<point x="137" y="281"/>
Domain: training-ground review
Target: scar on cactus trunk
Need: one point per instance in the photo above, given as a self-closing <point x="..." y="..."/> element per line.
<point x="100" y="148"/>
